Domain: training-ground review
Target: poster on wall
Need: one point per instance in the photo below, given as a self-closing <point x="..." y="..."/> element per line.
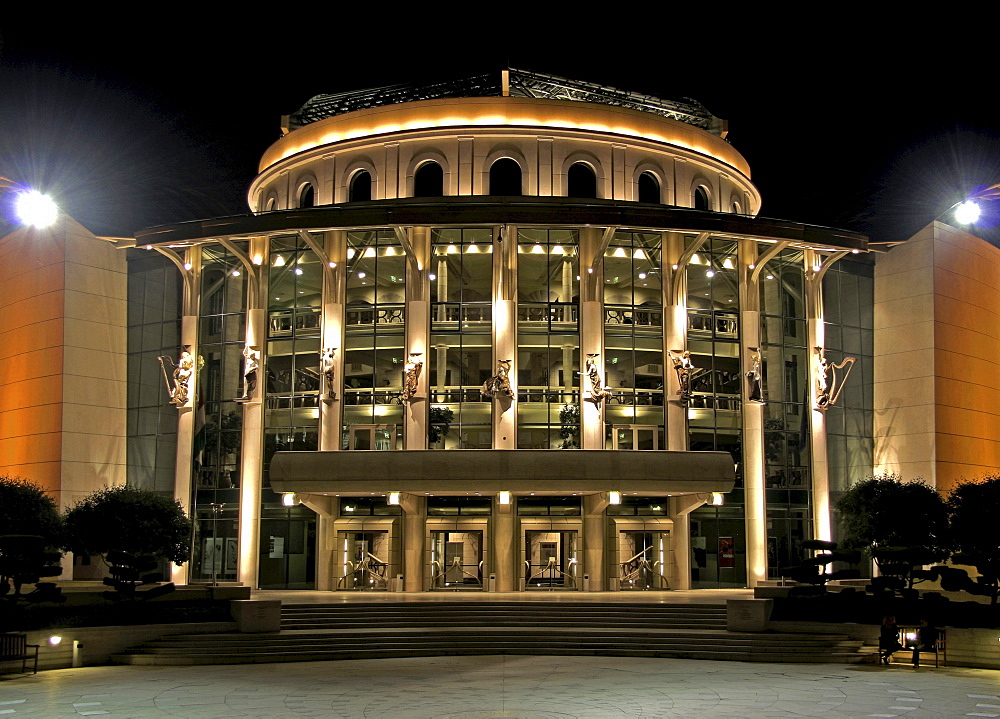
<point x="727" y="552"/>
<point x="277" y="550"/>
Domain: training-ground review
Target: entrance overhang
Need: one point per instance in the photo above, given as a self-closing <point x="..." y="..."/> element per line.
<point x="653" y="473"/>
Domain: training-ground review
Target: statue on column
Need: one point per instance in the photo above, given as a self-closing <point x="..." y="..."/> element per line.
<point x="499" y="384"/>
<point x="686" y="371"/>
<point x="754" y="393"/>
<point x="251" y="367"/>
<point x="828" y="382"/>
<point x="182" y="373"/>
<point x="411" y="375"/>
<point x="598" y="392"/>
<point x="328" y="368"/>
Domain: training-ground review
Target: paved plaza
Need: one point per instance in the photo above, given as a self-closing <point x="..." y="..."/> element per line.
<point x="514" y="687"/>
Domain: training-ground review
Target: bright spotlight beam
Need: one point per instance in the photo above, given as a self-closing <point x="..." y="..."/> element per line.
<point x="967" y="212"/>
<point x="34" y="208"/>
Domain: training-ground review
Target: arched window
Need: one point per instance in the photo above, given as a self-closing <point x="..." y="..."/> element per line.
<point x="701" y="199"/>
<point x="272" y="205"/>
<point x="505" y="177"/>
<point x="307" y="196"/>
<point x="428" y="181"/>
<point x="737" y="210"/>
<point x="361" y="187"/>
<point x="649" y="188"/>
<point x="581" y="181"/>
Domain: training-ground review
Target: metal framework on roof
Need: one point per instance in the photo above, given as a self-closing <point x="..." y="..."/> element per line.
<point x="522" y="83"/>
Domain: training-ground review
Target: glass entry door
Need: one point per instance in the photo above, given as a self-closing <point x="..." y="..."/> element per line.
<point x="550" y="559"/>
<point x="642" y="564"/>
<point x="636" y="436"/>
<point x="364" y="561"/>
<point x="457" y="560"/>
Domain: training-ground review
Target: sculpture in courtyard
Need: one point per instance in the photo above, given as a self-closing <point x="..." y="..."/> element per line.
<point x="499" y="384"/>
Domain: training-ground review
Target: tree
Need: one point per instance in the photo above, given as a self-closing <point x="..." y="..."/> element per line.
<point x="31" y="533"/>
<point x="901" y="525"/>
<point x="972" y="508"/>
<point x="131" y="528"/>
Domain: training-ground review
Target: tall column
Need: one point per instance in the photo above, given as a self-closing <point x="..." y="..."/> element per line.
<point x="591" y="336"/>
<point x="675" y="324"/>
<point x="417" y="335"/>
<point x="252" y="448"/>
<point x="331" y="411"/>
<point x="187" y="414"/>
<point x="680" y="509"/>
<point x="414" y="531"/>
<point x="505" y="336"/>
<point x="675" y="418"/>
<point x="753" y="416"/>
<point x="594" y="553"/>
<point x="504" y="546"/>
<point x="816" y="337"/>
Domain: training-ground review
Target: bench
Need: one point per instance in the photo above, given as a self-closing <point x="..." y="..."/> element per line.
<point x="908" y="638"/>
<point x="15" y="647"/>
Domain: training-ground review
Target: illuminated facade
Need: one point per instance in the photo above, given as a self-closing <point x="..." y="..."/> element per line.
<point x="563" y="245"/>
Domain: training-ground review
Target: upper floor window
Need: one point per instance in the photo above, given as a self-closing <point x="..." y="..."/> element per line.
<point x="505" y="178"/>
<point x="307" y="196"/>
<point x="701" y="199"/>
<point x="428" y="181"/>
<point x="361" y="187"/>
<point x="581" y="181"/>
<point x="649" y="188"/>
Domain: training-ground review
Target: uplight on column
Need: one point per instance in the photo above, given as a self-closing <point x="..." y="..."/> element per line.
<point x="614" y="497"/>
<point x="504" y="497"/>
<point x="394" y="498"/>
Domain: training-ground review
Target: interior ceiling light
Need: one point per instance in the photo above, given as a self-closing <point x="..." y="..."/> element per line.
<point x="558" y="250"/>
<point x="279" y="260"/>
<point x="728" y="263"/>
<point x="369" y="252"/>
<point x="451" y="250"/>
<point x="537" y="250"/>
<point x="298" y="270"/>
<point x="350" y="254"/>
<point x="639" y="254"/>
<point x="619" y="252"/>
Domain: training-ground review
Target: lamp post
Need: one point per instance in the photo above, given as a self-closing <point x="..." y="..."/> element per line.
<point x="31" y="206"/>
<point x="967" y="211"/>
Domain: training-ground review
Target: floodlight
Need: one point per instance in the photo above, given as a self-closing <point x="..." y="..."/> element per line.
<point x="34" y="208"/>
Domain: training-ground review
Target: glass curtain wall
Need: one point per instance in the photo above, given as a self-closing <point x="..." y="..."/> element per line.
<point x="785" y="368"/>
<point x="219" y="419"/>
<point x="548" y="339"/>
<point x="847" y="306"/>
<point x="294" y="297"/>
<point x="461" y="346"/>
<point x="633" y="338"/>
<point x="154" y="306"/>
<point x="374" y="355"/>
<point x="714" y="414"/>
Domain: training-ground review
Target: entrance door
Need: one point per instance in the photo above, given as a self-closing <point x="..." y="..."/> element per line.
<point x="364" y="559"/>
<point x="550" y="559"/>
<point x="457" y="560"/>
<point x="642" y="560"/>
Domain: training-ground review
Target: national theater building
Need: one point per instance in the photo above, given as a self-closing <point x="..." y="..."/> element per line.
<point x="518" y="332"/>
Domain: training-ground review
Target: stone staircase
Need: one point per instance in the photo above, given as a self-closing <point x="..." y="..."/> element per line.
<point x="319" y="632"/>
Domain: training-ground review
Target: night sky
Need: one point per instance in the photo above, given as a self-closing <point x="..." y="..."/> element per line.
<point x="877" y="130"/>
